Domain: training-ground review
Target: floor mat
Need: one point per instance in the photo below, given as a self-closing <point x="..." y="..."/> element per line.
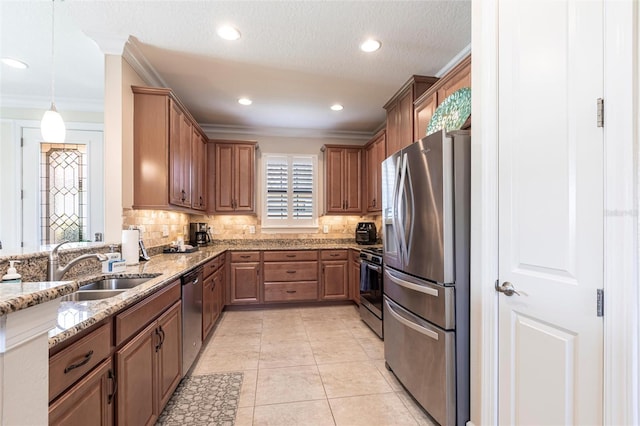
<point x="204" y="400"/>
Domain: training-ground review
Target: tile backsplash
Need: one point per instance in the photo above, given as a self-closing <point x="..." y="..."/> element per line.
<point x="231" y="227"/>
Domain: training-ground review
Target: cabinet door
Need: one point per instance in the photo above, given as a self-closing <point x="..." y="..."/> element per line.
<point x="335" y="281"/>
<point x="244" y="283"/>
<point x="137" y="379"/>
<point x="224" y="178"/>
<point x="89" y="402"/>
<point x="169" y="353"/>
<point x="405" y="119"/>
<point x="198" y="176"/>
<point x="352" y="180"/>
<point x="186" y="130"/>
<point x="460" y="79"/>
<point x="207" y="305"/>
<point x="176" y="195"/>
<point x="218" y="284"/>
<point x="244" y="178"/>
<point x="374" y="155"/>
<point x="334" y="198"/>
<point x="423" y="113"/>
<point x="393" y="140"/>
<point x="354" y="281"/>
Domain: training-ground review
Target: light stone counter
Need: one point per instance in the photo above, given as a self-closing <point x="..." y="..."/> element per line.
<point x="18" y="296"/>
<point x="74" y="316"/>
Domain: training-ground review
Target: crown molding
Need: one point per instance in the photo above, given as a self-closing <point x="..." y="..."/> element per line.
<point x="43" y="102"/>
<point x="215" y="130"/>
<point x="109" y="44"/>
<point x="141" y="65"/>
<point x="453" y="62"/>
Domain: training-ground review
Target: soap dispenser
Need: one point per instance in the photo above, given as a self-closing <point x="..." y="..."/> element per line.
<point x="12" y="275"/>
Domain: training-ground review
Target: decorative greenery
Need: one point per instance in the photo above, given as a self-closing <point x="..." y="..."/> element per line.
<point x="452" y="112"/>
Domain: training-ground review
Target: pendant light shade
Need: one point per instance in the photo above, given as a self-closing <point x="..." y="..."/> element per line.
<point x="52" y="126"/>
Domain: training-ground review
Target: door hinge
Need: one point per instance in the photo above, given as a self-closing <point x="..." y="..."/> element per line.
<point x="600" y="113"/>
<point x="600" y="302"/>
<point x="21" y="142"/>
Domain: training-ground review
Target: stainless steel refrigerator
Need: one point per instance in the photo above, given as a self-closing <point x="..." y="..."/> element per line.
<point x="426" y="221"/>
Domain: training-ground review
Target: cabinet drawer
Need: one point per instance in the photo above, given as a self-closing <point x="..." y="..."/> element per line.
<point x="245" y="256"/>
<point x="334" y="254"/>
<point x="210" y="267"/>
<point x="290" y="271"/>
<point x="290" y="255"/>
<point x="138" y="316"/>
<point x="70" y="364"/>
<point x="282" y="292"/>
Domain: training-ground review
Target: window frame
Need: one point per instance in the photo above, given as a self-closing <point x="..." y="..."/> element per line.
<point x="290" y="224"/>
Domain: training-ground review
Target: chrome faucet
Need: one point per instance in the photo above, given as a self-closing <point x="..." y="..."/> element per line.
<point x="55" y="272"/>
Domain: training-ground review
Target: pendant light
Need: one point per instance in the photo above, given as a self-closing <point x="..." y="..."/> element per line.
<point x="52" y="126"/>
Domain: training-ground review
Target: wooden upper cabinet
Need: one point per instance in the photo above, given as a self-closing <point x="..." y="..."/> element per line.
<point x="457" y="78"/>
<point x="400" y="129"/>
<point x="166" y="158"/>
<point x="199" y="171"/>
<point x="424" y="109"/>
<point x="375" y="153"/>
<point x="234" y="177"/>
<point x="343" y="179"/>
<point x="425" y="105"/>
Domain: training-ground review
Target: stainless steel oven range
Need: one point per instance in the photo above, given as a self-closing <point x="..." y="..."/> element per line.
<point x="371" y="290"/>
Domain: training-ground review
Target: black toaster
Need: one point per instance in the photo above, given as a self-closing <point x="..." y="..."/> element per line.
<point x="366" y="233"/>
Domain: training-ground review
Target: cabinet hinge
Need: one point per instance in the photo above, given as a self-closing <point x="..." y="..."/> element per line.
<point x="600" y="113"/>
<point x="600" y="302"/>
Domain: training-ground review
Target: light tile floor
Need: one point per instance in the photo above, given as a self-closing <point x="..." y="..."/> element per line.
<point x="308" y="366"/>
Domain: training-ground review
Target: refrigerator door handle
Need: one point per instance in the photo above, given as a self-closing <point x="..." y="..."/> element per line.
<point x="410" y="210"/>
<point x="412" y="325"/>
<point x="412" y="286"/>
<point x="404" y="256"/>
<point x="395" y="206"/>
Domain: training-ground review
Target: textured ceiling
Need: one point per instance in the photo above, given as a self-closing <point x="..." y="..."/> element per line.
<point x="294" y="59"/>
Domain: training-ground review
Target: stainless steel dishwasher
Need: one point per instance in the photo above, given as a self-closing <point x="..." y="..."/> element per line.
<point x="191" y="317"/>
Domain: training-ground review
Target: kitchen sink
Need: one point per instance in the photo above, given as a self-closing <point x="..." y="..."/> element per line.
<point x="81" y="295"/>
<point x="113" y="284"/>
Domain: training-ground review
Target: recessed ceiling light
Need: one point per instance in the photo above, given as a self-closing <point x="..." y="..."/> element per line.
<point x="228" y="32"/>
<point x="245" y="101"/>
<point x="15" y="63"/>
<point x="370" y="45"/>
<point x="337" y="107"/>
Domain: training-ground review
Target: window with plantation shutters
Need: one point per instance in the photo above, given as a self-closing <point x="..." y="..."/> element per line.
<point x="289" y="196"/>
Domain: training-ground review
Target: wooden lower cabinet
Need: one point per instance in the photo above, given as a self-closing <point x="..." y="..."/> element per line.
<point x="89" y="402"/>
<point x="354" y="276"/>
<point x="208" y="300"/>
<point x="143" y="389"/>
<point x="335" y="280"/>
<point x="244" y="283"/>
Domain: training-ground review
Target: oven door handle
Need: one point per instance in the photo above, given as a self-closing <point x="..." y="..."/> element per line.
<point x="412" y="286"/>
<point x="412" y="325"/>
<point x="370" y="266"/>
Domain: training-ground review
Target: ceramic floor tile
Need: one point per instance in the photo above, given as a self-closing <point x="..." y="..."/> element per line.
<point x="242" y="315"/>
<point x="388" y="375"/>
<point x="285" y="354"/>
<point x="235" y="328"/>
<point x="280" y="323"/>
<point x="248" y="390"/>
<point x="228" y="359"/>
<point x="283" y="334"/>
<point x="359" y="329"/>
<point x="316" y="413"/>
<point x="244" y="416"/>
<point x="289" y="384"/>
<point x="374" y="347"/>
<point x="416" y="411"/>
<point x="380" y="409"/>
<point x="238" y="340"/>
<point x="352" y="379"/>
<point x="343" y="350"/>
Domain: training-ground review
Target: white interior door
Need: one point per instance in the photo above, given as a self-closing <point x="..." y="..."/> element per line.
<point x="550" y="212"/>
<point x="32" y="180"/>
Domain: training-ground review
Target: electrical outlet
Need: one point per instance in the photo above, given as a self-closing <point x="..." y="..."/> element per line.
<point x="325" y="229"/>
<point x="165" y="230"/>
<point x="252" y="229"/>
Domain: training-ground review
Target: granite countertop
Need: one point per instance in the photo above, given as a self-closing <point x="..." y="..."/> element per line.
<point x="75" y="316"/>
<point x="17" y="296"/>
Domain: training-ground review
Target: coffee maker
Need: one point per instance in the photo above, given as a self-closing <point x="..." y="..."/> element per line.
<point x="199" y="234"/>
